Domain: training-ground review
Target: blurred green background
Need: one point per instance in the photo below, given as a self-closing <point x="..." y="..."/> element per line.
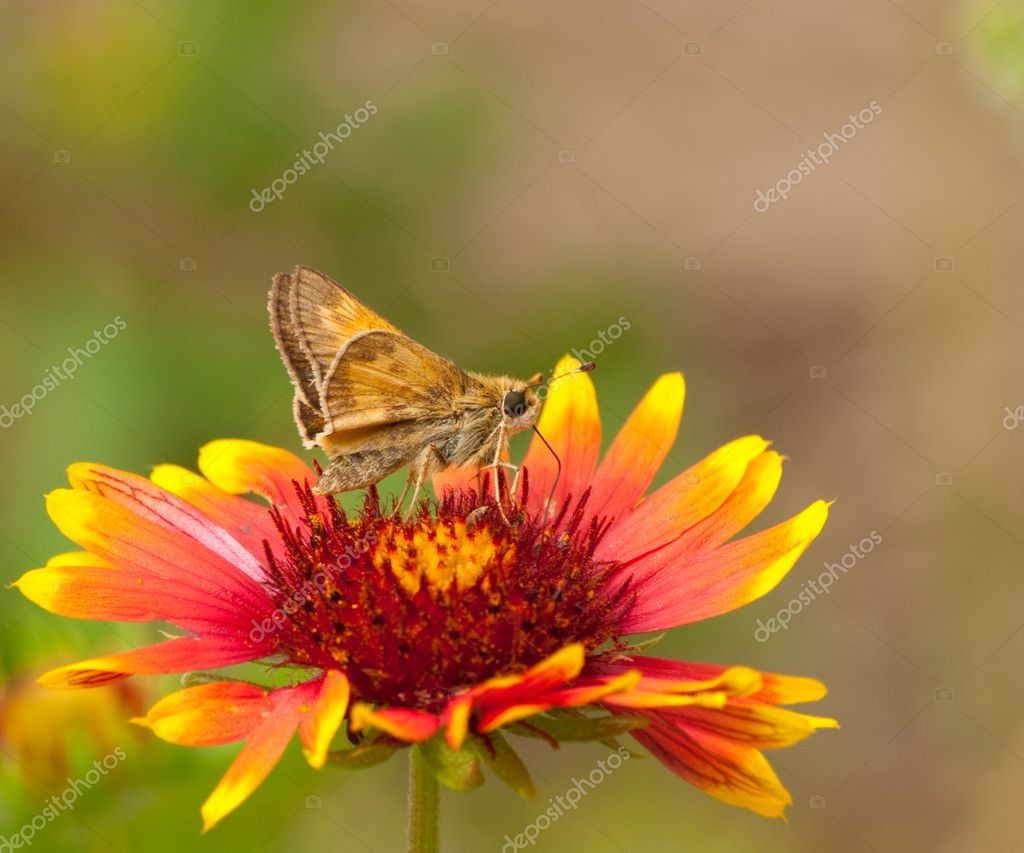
<point x="534" y="173"/>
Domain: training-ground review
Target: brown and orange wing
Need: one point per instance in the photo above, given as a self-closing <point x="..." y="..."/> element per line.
<point x="352" y="369"/>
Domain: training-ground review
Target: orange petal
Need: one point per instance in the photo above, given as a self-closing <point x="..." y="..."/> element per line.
<point x="632" y="462"/>
<point x="456" y="720"/>
<point x="571" y="424"/>
<point x="183" y="654"/>
<point x="513" y="697"/>
<point x="722" y="580"/>
<point x="238" y="466"/>
<point x="735" y="773"/>
<point x="589" y="690"/>
<point x="209" y="714"/>
<point x="319" y="727"/>
<point x="249" y="523"/>
<point x="754" y="493"/>
<point x="498" y="717"/>
<point x="762" y="726"/>
<point x="405" y="724"/>
<point x="261" y="752"/>
<point x="714" y="692"/>
<point x="680" y="504"/>
<point x="775" y="689"/>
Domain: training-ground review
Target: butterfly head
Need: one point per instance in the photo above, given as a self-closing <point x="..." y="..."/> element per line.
<point x="520" y="406"/>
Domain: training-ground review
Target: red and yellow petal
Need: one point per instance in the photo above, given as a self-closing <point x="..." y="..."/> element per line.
<point x="776" y="689"/>
<point x="119" y="595"/>
<point x="263" y="748"/>
<point x="754" y="492"/>
<point x="408" y="724"/>
<point x="589" y="690"/>
<point x="683" y="502"/>
<point x="504" y="699"/>
<point x="735" y="773"/>
<point x="714" y="692"/>
<point x="708" y="723"/>
<point x="238" y="466"/>
<point x="753" y="723"/>
<point x="572" y="426"/>
<point x="161" y="508"/>
<point x="209" y="714"/>
<point x="632" y="462"/>
<point x="321" y="724"/>
<point x="247" y="522"/>
<point x="182" y="654"/>
<point x="136" y="543"/>
<point x="709" y="584"/>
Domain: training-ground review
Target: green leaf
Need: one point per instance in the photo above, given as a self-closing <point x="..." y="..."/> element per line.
<point x="578" y="728"/>
<point x="362" y="756"/>
<point x="459" y="771"/>
<point x="504" y="762"/>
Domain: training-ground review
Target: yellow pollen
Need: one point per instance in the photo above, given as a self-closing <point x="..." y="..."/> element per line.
<point x="443" y="554"/>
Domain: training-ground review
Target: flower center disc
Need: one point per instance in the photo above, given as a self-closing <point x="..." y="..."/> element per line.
<point x="414" y="610"/>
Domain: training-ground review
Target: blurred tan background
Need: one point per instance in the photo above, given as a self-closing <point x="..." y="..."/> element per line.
<point x="533" y="173"/>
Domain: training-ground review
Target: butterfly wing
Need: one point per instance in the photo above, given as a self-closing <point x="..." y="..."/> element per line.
<point x="353" y="371"/>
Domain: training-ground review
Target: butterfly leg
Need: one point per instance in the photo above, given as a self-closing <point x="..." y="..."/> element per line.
<point x="405" y="491"/>
<point x="426" y="465"/>
<point x="493" y="467"/>
<point x="496" y="464"/>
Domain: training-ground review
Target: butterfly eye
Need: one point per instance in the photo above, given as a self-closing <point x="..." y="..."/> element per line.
<point x="514" y="404"/>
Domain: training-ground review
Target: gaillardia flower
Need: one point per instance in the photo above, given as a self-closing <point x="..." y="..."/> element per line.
<point x="445" y="629"/>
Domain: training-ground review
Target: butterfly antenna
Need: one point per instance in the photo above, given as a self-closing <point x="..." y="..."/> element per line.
<point x="538" y="380"/>
<point x="558" y="463"/>
<point x="585" y="367"/>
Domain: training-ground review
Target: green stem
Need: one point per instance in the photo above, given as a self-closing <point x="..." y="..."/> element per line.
<point x="424" y="805"/>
